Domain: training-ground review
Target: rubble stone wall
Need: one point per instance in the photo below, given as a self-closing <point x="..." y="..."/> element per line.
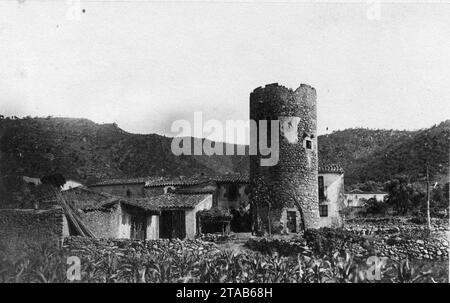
<point x="22" y="228"/>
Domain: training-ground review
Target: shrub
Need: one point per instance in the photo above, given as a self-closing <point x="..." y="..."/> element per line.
<point x="375" y="207"/>
<point x="418" y="220"/>
<point x="328" y="241"/>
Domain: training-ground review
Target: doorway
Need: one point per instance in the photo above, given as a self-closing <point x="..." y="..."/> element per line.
<point x="172" y="224"/>
<point x="292" y="221"/>
<point x="138" y="229"/>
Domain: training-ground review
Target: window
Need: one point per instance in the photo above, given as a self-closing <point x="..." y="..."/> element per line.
<point x="323" y="210"/>
<point x="128" y="193"/>
<point x="308" y="144"/>
<point x="321" y="189"/>
<point x="125" y="219"/>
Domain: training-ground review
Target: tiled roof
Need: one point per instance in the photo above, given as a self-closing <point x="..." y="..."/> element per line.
<point x="142" y="203"/>
<point x="180" y="181"/>
<point x="188" y="181"/>
<point x="361" y="192"/>
<point x="331" y="168"/>
<point x="86" y="199"/>
<point x="192" y="191"/>
<point x="138" y="180"/>
<point x="166" y="201"/>
<point x="232" y="178"/>
<point x="83" y="198"/>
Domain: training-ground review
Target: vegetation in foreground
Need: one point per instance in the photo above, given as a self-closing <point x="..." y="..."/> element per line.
<point x="168" y="264"/>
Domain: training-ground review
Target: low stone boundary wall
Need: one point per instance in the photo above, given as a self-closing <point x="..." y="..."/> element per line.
<point x="79" y="244"/>
<point x="367" y="226"/>
<point x="391" y="246"/>
<point x="24" y="228"/>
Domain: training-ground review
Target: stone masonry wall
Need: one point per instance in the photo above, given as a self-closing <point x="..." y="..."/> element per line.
<point x="103" y="223"/>
<point x="294" y="179"/>
<point x="22" y="228"/>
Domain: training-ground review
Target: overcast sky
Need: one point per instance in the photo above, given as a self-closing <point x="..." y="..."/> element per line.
<point x="144" y="65"/>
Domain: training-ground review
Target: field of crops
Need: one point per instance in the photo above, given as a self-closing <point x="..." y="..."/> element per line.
<point x="195" y="261"/>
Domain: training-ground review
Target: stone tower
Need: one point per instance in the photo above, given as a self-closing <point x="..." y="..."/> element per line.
<point x="292" y="183"/>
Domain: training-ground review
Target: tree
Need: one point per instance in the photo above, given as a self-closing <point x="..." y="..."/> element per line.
<point x="375" y="207"/>
<point x="369" y="186"/>
<point x="261" y="192"/>
<point x="400" y="194"/>
<point x="439" y="199"/>
<point x="267" y="202"/>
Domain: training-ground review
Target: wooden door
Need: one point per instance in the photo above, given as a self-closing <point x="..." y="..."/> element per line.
<point x="172" y="224"/>
<point x="138" y="227"/>
<point x="292" y="221"/>
<point x="179" y="224"/>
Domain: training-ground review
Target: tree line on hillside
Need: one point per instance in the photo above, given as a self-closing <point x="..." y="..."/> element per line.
<point x="382" y="155"/>
<point x="404" y="198"/>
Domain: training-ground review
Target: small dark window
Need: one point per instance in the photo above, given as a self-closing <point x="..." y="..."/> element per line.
<point x="233" y="193"/>
<point x="323" y="210"/>
<point x="128" y="193"/>
<point x="308" y="144"/>
<point x="321" y="189"/>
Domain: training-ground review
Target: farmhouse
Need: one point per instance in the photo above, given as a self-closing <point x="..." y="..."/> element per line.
<point x="169" y="215"/>
<point x="357" y="197"/>
<point x="331" y="195"/>
<point x="230" y="191"/>
<point x="229" y="195"/>
<point x="109" y="216"/>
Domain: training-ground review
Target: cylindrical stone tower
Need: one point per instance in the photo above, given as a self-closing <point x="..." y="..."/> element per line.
<point x="291" y="185"/>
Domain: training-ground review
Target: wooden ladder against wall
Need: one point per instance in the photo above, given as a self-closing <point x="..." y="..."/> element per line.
<point x="72" y="217"/>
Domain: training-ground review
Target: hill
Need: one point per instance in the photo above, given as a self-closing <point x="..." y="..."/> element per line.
<point x="85" y="151"/>
<point x="379" y="155"/>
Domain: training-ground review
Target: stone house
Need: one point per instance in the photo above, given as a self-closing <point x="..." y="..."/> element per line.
<point x="160" y="216"/>
<point x="230" y="191"/>
<point x="330" y="185"/>
<point x="178" y="213"/>
<point x="331" y="196"/>
<point x="357" y="197"/>
<point x="109" y="216"/>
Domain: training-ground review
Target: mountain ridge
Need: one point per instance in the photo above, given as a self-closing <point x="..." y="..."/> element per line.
<point x="85" y="151"/>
